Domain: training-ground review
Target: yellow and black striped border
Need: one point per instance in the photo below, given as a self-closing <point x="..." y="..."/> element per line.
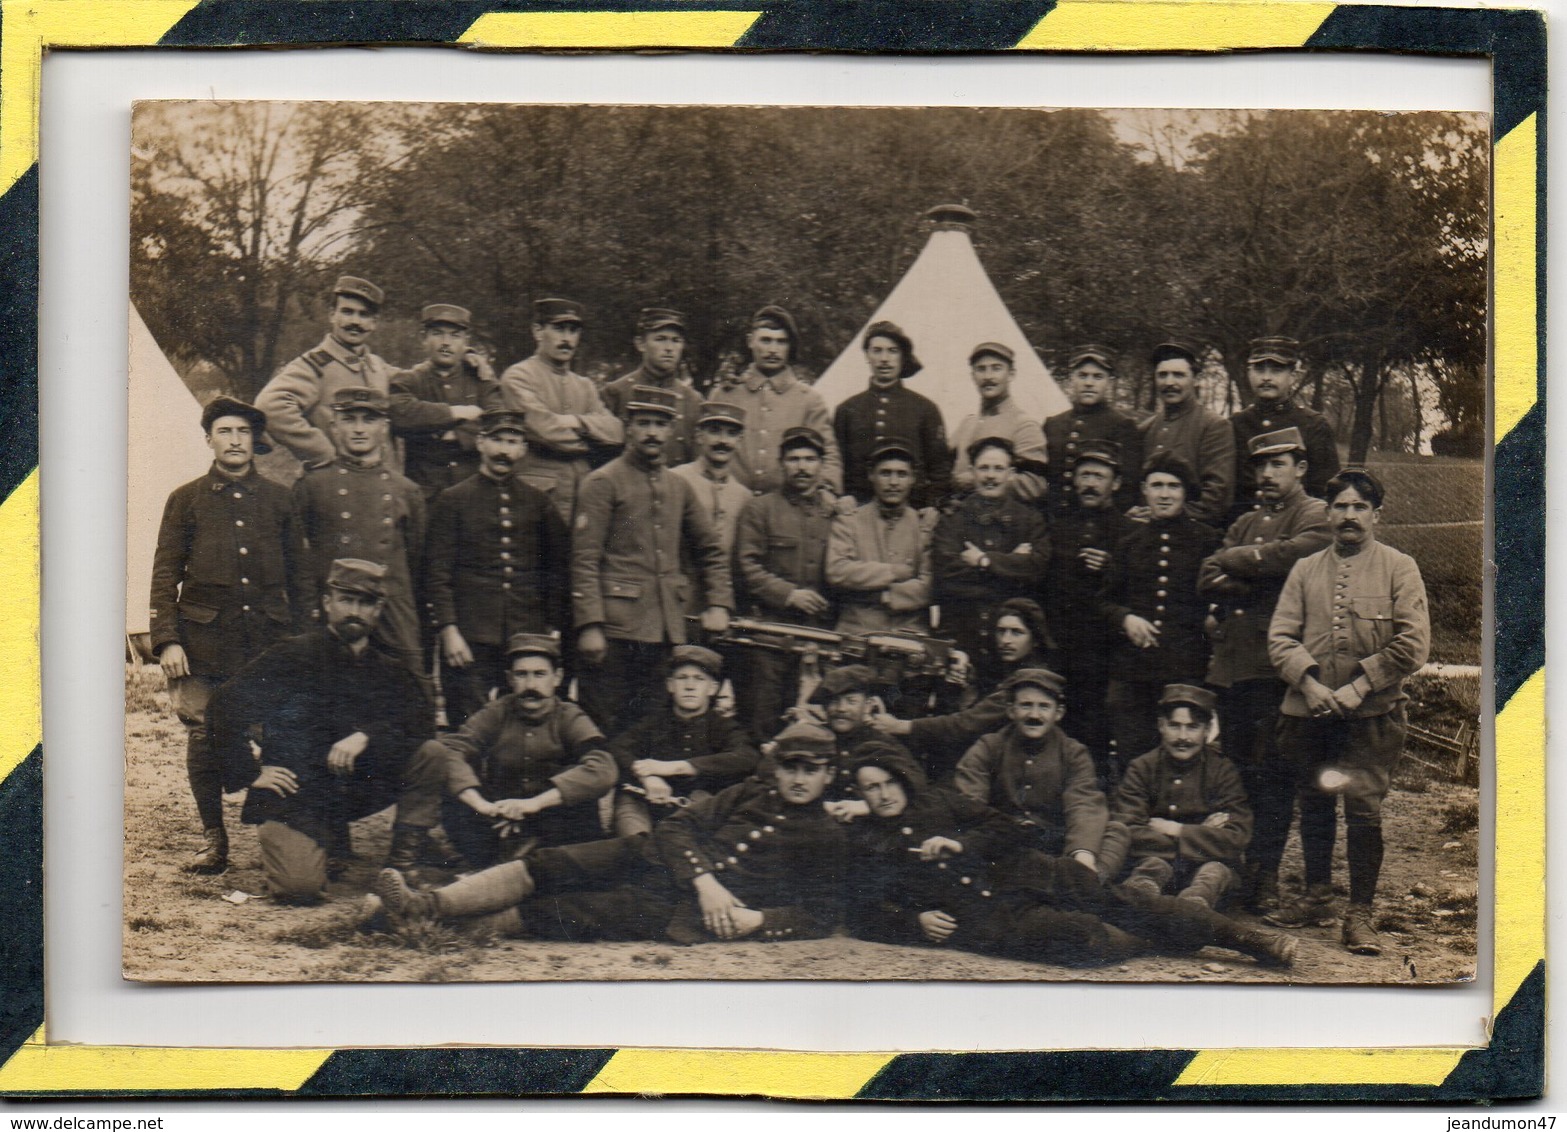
<point x="1510" y="1066"/>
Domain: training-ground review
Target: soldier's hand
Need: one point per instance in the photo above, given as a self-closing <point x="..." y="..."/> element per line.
<point x="340" y="759"/>
<point x="936" y="848"/>
<point x="1093" y="558"/>
<point x="807" y="601"/>
<point x="746" y="920"/>
<point x="715" y="619"/>
<point x="1142" y="513"/>
<point x="937" y="926"/>
<point x="481" y="365"/>
<point x="1319" y="700"/>
<point x="1165" y="826"/>
<point x="661" y="768"/>
<point x="466" y="412"/>
<point x="658" y="791"/>
<point x="972" y="555"/>
<point x="1210" y="628"/>
<point x="592" y="646"/>
<point x="890" y="724"/>
<point x="901" y="572"/>
<point x="174" y="661"/>
<point x="1140" y="632"/>
<point x="1216" y="821"/>
<point x="846" y="810"/>
<point x="512" y="809"/>
<point x="278" y="779"/>
<point x="718" y="906"/>
<point x="1348" y="698"/>
<point x="454" y="649"/>
<point x="1023" y="548"/>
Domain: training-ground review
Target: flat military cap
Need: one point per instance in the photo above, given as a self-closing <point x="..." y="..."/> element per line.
<point x="1173" y="465"/>
<point x="553" y="310"/>
<point x="1276" y="442"/>
<point x="362" y="397"/>
<point x="1285" y="351"/>
<point x="447" y="313"/>
<point x="223" y="406"/>
<point x="501" y="420"/>
<point x="893" y="447"/>
<point x="1190" y="696"/>
<point x="359" y="289"/>
<point x="995" y="350"/>
<point x="357" y="576"/>
<point x="890" y="757"/>
<point x="849" y="678"/>
<point x="774" y="315"/>
<point x="533" y="644"/>
<point x="721" y="411"/>
<point x="651" y="399"/>
<point x="894" y="332"/>
<point x="1092" y="352"/>
<point x="1177" y="347"/>
<point x="1034" y="678"/>
<point x="805" y="743"/>
<point x="1100" y="452"/>
<point x="650" y="319"/>
<point x="800" y="435"/>
<point x="705" y="659"/>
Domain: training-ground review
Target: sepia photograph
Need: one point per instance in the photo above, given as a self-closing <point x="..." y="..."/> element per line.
<point x="592" y="542"/>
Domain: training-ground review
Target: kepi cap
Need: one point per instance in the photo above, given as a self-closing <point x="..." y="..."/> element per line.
<point x="1178" y="347"/>
<point x="1035" y="678"/>
<point x="650" y="319"/>
<point x="704" y="658"/>
<point x="1092" y="352"/>
<point x="1285" y="351"/>
<point x="893" y="446"/>
<point x="533" y="644"/>
<point x="996" y="349"/>
<point x="651" y="399"/>
<point x="800" y="434"/>
<point x="1190" y="695"/>
<point x="807" y="743"/>
<point x="1100" y="452"/>
<point x="1276" y="442"/>
<point x="359" y="289"/>
<point x="501" y="420"/>
<point x="357" y="576"/>
<point x="721" y="411"/>
<point x="364" y="398"/>
<point x="776" y="314"/>
<point x="448" y="313"/>
<point x="554" y="310"/>
<point x="224" y="406"/>
<point x="849" y="678"/>
<point x="885" y="329"/>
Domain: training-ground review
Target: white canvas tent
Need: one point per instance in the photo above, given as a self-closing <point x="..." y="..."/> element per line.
<point x="947" y="305"/>
<point x="166" y="450"/>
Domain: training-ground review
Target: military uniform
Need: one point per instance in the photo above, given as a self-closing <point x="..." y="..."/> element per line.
<point x="872" y="416"/>
<point x="1005" y="420"/>
<point x="1066" y="432"/>
<point x="638" y="527"/>
<point x="298" y="399"/>
<point x="682" y="446"/>
<point x="881" y="569"/>
<point x="351" y="509"/>
<point x="1053" y="789"/>
<point x="1243" y="580"/>
<point x="1207" y="443"/>
<point x="567" y="425"/>
<point x="308" y="693"/>
<point x="496" y="563"/>
<point x="773" y="405"/>
<point x="1322" y="462"/>
<point x="717" y="747"/>
<point x="1153" y="574"/>
<point x="439" y="450"/>
<point x="722" y="499"/>
<point x="968" y="595"/>
<point x="227" y="554"/>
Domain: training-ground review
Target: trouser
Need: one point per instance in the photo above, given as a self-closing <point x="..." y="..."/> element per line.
<point x="1207" y="881"/>
<point x="477" y="840"/>
<point x="625" y="686"/>
<point x="468" y="689"/>
<point x="1109" y="855"/>
<point x="633" y="815"/>
<point x="189" y="696"/>
<point x="294" y="849"/>
<point x="1085" y="663"/>
<point x="1364" y="751"/>
<point x="1249" y="720"/>
<point x="397" y="635"/>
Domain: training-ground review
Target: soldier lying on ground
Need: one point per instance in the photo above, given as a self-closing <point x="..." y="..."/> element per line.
<point x="760" y="859"/>
<point x="923" y="874"/>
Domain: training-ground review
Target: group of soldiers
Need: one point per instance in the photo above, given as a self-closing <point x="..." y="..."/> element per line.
<point x="1178" y="632"/>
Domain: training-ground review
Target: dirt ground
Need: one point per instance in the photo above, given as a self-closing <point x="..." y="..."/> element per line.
<point x="183" y="928"/>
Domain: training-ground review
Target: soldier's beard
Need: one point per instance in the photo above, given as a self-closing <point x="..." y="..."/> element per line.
<point x="352" y="630"/>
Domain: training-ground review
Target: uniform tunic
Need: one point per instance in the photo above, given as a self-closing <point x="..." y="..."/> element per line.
<point x="1072" y="590"/>
<point x="873" y="415"/>
<point x="723" y="500"/>
<point x="496" y="561"/>
<point x="773" y="405"/>
<point x="968" y="595"/>
<point x="781" y="546"/>
<point x="298" y="399"/>
<point x="636" y="525"/>
<point x="1157" y="785"/>
<point x="682" y="438"/>
<point x="869" y="556"/>
<point x="227" y="554"/>
<point x="1341" y="615"/>
<point x="1153" y="574"/>
<point x="504" y="754"/>
<point x="1053" y="787"/>
<point x="566" y="424"/>
<point x="1006" y="420"/>
<point x="439" y="450"/>
<point x="1244" y="578"/>
<point x="717" y="748"/>
<point x="1322" y="462"/>
<point x="1066" y="432"/>
<point x="1206" y="442"/>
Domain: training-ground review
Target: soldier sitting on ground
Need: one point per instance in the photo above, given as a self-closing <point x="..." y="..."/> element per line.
<point x="1185" y="805"/>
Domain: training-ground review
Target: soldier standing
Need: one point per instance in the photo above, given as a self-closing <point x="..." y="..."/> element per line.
<point x="1271" y="369"/>
<point x="227" y="554"/>
<point x="568" y="424"/>
<point x="358" y="507"/>
<point x="298" y="400"/>
<point x="436" y="404"/>
<point x="878" y="556"/>
<point x="712" y="475"/>
<point x="1090" y="378"/>
<point x="993" y="365"/>
<point x="661" y="341"/>
<point x="496" y="561"/>
<point x="1185" y="427"/>
<point x="1243" y="580"/>
<point x="890" y="408"/>
<point x="637" y="527"/>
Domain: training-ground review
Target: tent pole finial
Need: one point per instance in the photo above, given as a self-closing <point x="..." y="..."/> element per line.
<point x="947" y="217"/>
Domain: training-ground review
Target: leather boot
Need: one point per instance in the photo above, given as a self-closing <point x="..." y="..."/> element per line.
<point x="1314" y="909"/>
<point x="1208" y="886"/>
<point x="1271" y="949"/>
<point x="403" y="905"/>
<point x="489" y="890"/>
<point x="407" y="843"/>
<point x="1360" y="936"/>
<point x="214" y="858"/>
<point x="1264" y="895"/>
